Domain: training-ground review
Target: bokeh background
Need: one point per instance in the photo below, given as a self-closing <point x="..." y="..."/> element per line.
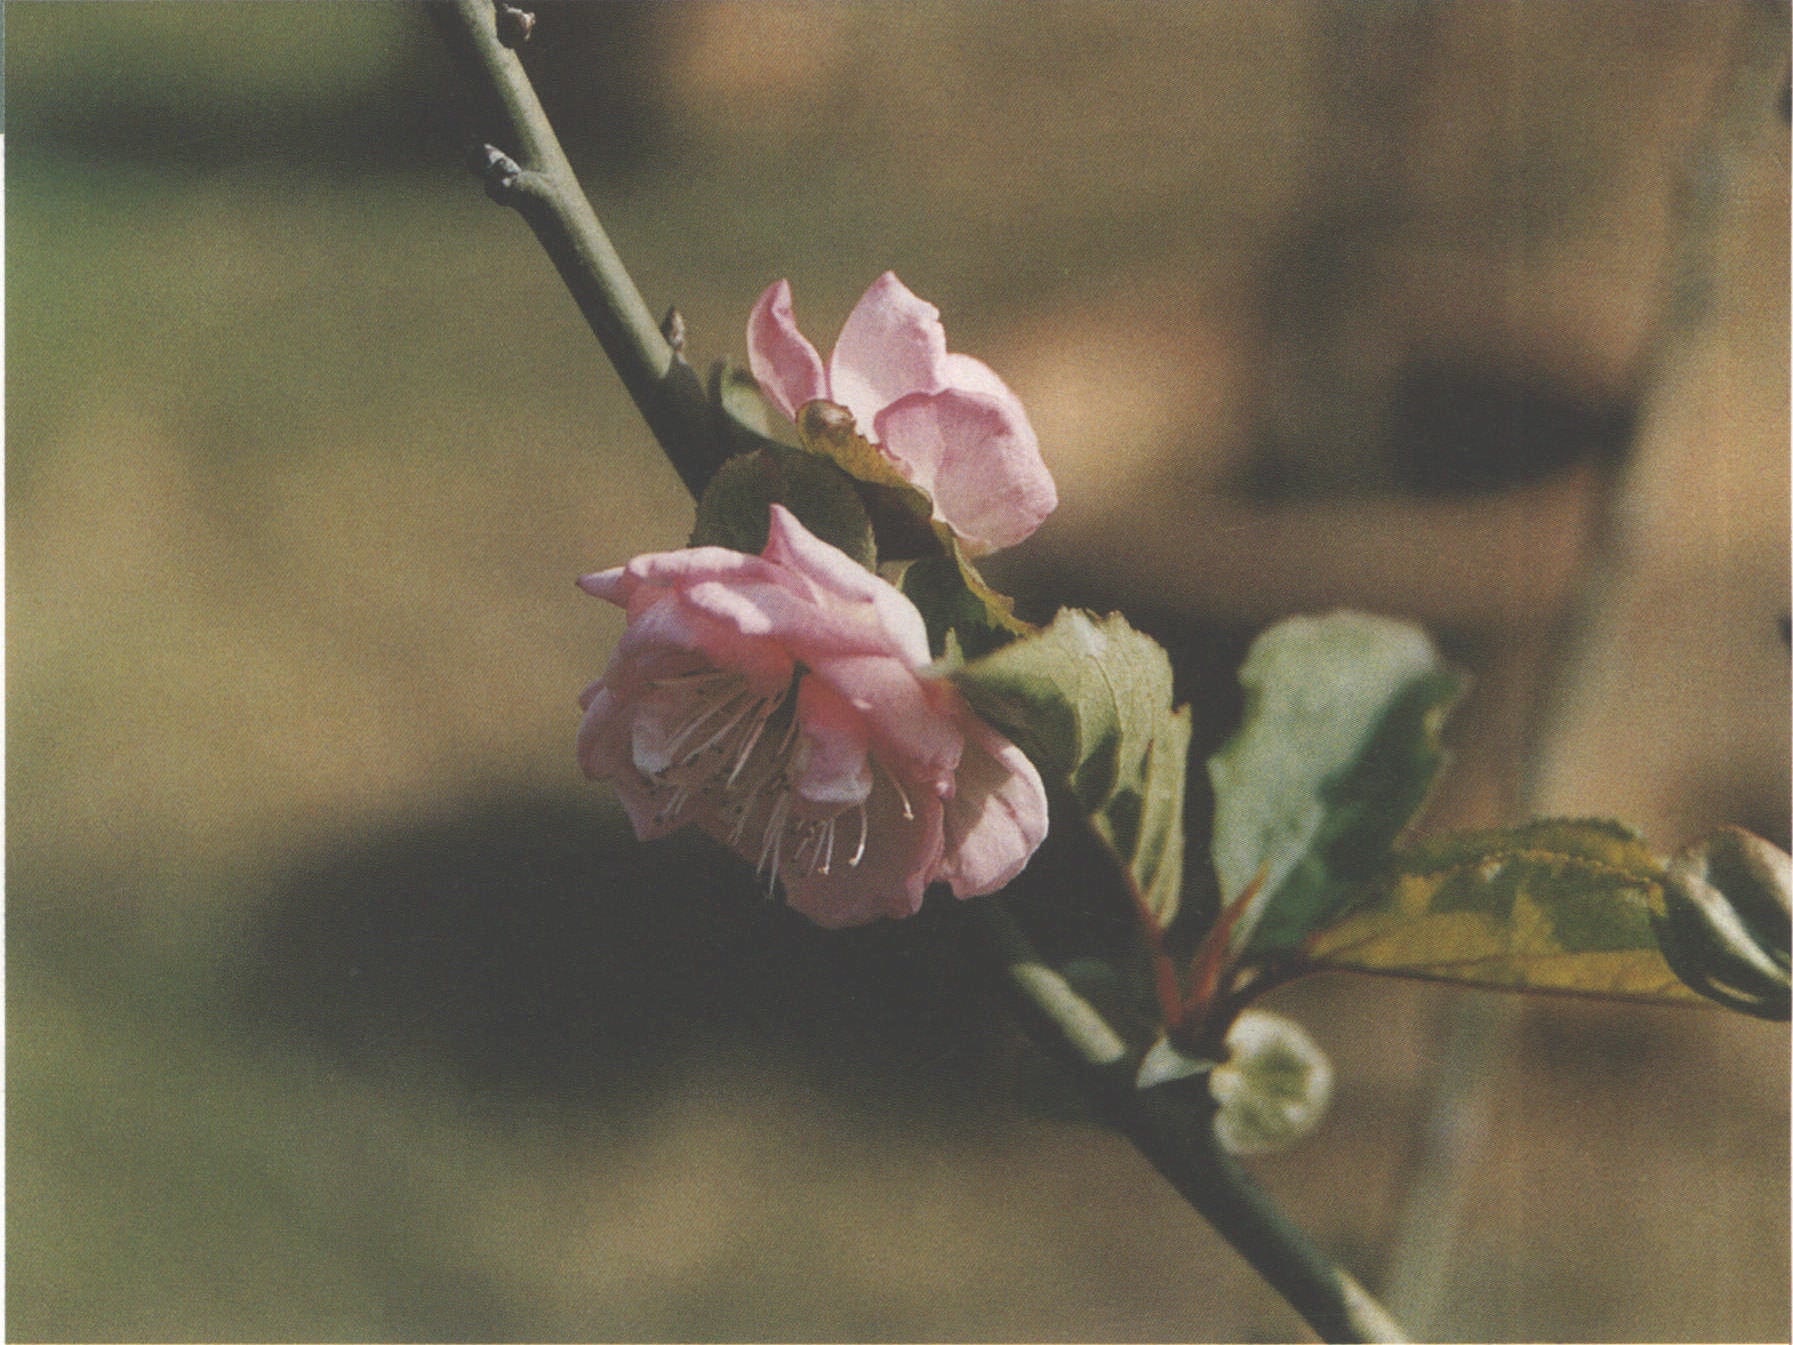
<point x="338" y="1006"/>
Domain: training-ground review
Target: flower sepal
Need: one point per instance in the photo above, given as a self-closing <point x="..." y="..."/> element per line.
<point x="1166" y="1063"/>
<point x="735" y="509"/>
<point x="902" y="516"/>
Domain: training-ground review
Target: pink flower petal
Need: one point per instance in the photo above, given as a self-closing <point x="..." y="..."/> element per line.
<point x="970" y="374"/>
<point x="834" y="574"/>
<point x="996" y="819"/>
<point x="891" y="345"/>
<point x="978" y="457"/>
<point x="604" y="754"/>
<point x="786" y="365"/>
<point x="673" y="625"/>
<point x="873" y="783"/>
<point x="611" y="585"/>
<point x="668" y="570"/>
<point x="831" y="766"/>
<point x="908" y="728"/>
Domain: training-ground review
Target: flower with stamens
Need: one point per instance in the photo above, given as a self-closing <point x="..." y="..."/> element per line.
<point x="946" y="421"/>
<point x="781" y="703"/>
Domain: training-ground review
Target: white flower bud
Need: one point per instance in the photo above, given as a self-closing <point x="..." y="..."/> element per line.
<point x="1273" y="1086"/>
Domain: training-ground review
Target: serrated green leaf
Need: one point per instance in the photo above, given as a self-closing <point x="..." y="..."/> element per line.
<point x="1158" y="865"/>
<point x="1089" y="701"/>
<point x="1337" y="751"/>
<point x="735" y="510"/>
<point x="1564" y="906"/>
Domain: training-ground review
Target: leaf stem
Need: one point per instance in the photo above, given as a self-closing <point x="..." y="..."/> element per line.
<point x="528" y="171"/>
<point x="1174" y="1130"/>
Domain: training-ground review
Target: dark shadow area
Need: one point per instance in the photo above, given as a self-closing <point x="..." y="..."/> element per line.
<point x="1456" y="428"/>
<point x="596" y="69"/>
<point x="1451" y="426"/>
<point x="539" y="949"/>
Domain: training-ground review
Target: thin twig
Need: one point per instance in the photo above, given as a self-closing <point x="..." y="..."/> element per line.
<point x="527" y="170"/>
<point x="1172" y="1130"/>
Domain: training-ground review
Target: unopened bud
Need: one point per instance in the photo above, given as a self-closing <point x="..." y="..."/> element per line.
<point x="1727" y="918"/>
<point x="672" y="327"/>
<point x="514" y="25"/>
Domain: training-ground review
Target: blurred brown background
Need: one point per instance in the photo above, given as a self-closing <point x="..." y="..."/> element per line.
<point x="340" y="1007"/>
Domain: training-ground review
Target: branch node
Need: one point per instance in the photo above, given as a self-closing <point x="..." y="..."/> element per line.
<point x="499" y="172"/>
<point x="514" y="25"/>
<point x="672" y="327"/>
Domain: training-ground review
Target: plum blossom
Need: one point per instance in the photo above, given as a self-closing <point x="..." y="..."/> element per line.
<point x="945" y="421"/>
<point x="779" y="702"/>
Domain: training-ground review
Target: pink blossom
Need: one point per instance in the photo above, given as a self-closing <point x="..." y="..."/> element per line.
<point x="946" y="421"/>
<point x="780" y="702"/>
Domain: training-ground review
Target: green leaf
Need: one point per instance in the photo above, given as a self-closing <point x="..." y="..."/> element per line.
<point x="735" y="510"/>
<point x="1337" y="751"/>
<point x="1565" y="906"/>
<point x="1089" y="701"/>
<point x="744" y="419"/>
<point x="953" y="597"/>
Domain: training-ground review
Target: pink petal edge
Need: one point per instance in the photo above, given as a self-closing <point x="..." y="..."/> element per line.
<point x="836" y="574"/>
<point x="892" y="344"/>
<point x="996" y="820"/>
<point x="784" y="363"/>
<point x="978" y="457"/>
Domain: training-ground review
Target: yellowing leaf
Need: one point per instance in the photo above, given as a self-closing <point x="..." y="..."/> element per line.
<point x="1567" y="907"/>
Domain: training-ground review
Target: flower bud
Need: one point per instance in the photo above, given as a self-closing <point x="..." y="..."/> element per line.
<point x="1273" y="1086"/>
<point x="1725" y="926"/>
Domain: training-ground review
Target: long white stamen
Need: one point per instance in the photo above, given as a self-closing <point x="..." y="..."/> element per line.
<point x="697" y="677"/>
<point x="809" y="840"/>
<point x="761" y="718"/>
<point x="777" y="849"/>
<point x="707" y="709"/>
<point x="859" y="850"/>
<point x="774" y="838"/>
<point x="790" y="734"/>
<point x="908" y="808"/>
<point x="681" y="795"/>
<point x="740" y="828"/>
<point x="734" y="721"/>
<point x="828" y="855"/>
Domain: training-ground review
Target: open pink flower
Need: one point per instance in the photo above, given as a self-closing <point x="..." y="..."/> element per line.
<point x="946" y="421"/>
<point x="777" y="702"/>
